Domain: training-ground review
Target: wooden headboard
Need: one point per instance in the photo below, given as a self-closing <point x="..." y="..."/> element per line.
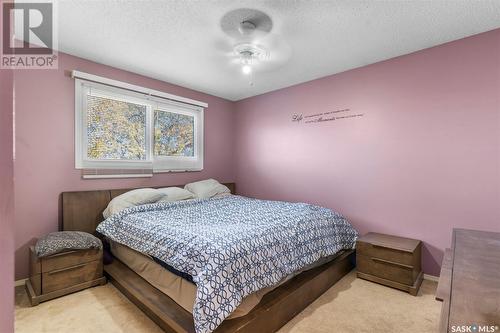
<point x="82" y="210"/>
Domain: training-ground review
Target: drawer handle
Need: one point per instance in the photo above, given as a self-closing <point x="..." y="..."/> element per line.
<point x="61" y="254"/>
<point x="67" y="269"/>
<point x="390" y="248"/>
<point x="392" y="263"/>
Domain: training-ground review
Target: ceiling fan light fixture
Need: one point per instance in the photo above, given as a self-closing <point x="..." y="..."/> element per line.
<point x="248" y="53"/>
<point x="246" y="69"/>
<point x="249" y="50"/>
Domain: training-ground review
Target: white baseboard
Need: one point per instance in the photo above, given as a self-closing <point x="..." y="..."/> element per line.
<point x="431" y="277"/>
<point x="20" y="282"/>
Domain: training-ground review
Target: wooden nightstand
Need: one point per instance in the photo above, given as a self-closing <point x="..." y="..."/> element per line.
<point x="390" y="260"/>
<point x="63" y="273"/>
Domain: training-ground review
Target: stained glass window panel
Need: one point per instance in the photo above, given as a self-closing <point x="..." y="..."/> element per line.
<point x="173" y="134"/>
<point x="116" y="130"/>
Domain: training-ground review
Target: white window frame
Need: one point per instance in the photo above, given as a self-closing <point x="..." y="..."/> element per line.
<point x="181" y="163"/>
<point x="153" y="100"/>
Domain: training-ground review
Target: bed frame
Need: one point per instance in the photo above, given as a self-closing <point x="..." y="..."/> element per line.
<point x="82" y="211"/>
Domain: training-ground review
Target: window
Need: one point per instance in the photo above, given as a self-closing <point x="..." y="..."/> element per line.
<point x="120" y="128"/>
<point x="174" y="134"/>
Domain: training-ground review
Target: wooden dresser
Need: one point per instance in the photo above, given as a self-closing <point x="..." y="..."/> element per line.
<point x="469" y="283"/>
<point x="390" y="260"/>
<point x="63" y="273"/>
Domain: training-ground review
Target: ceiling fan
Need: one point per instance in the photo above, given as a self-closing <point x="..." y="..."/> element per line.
<point x="252" y="46"/>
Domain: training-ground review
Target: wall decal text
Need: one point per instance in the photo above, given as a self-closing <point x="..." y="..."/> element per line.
<point x="324" y="116"/>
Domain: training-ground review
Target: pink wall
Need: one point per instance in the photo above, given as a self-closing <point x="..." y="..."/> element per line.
<point x="425" y="157"/>
<point x="45" y="146"/>
<point x="6" y="204"/>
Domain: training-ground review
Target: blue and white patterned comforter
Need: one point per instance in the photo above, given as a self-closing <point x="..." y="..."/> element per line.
<point x="232" y="246"/>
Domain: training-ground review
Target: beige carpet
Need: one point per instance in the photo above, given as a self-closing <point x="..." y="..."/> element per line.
<point x="351" y="305"/>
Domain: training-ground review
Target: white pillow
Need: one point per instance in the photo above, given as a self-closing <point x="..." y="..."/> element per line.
<point x="175" y="194"/>
<point x="128" y="199"/>
<point x="207" y="188"/>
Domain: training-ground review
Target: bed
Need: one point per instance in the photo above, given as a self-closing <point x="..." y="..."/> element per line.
<point x="280" y="285"/>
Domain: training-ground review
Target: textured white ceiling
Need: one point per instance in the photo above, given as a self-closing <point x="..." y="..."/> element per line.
<point x="181" y="41"/>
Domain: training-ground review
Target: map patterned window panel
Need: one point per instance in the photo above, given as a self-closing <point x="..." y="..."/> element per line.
<point x="116" y="130"/>
<point x="173" y="134"/>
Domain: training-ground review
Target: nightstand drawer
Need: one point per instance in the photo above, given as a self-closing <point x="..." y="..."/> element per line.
<point x="69" y="259"/>
<point x="386" y="253"/>
<point x="70" y="276"/>
<point x="390" y="260"/>
<point x="386" y="269"/>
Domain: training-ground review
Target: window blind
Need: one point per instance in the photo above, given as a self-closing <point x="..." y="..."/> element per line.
<point x="116" y="173"/>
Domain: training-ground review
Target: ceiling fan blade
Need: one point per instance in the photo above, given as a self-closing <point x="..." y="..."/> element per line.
<point x="279" y="52"/>
<point x="245" y="22"/>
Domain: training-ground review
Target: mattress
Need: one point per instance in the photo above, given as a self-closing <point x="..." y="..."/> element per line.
<point x="232" y="247"/>
<point x="182" y="291"/>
